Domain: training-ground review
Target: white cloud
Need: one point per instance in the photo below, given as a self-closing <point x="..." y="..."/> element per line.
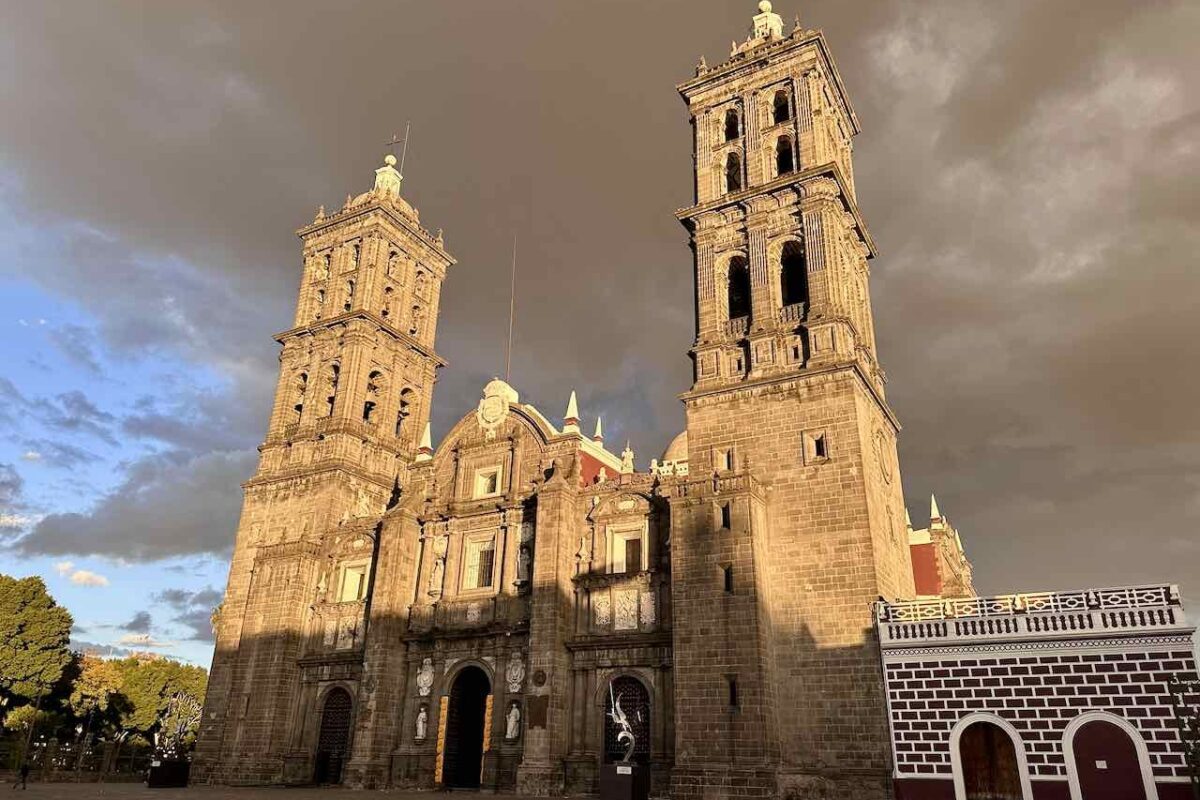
<point x="136" y="640"/>
<point x="31" y="455"/>
<point x="12" y="521"/>
<point x="84" y="577"/>
<point x="63" y="568"/>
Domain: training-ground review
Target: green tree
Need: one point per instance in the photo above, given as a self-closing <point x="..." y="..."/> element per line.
<point x="94" y="686"/>
<point x="160" y="695"/>
<point x="34" y="633"/>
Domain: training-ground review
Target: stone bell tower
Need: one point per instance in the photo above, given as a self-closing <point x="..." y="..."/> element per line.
<point x="793" y="520"/>
<point x="355" y="380"/>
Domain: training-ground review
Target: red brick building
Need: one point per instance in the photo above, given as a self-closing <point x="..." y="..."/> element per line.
<point x="1044" y="696"/>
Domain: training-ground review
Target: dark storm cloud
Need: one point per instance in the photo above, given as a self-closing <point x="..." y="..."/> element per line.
<point x="140" y="623"/>
<point x="194" y="610"/>
<point x="1029" y="170"/>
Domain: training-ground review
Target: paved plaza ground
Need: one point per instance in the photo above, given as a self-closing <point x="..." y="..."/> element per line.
<point x="138" y="791"/>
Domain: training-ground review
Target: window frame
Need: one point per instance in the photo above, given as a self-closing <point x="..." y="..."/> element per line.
<point x="468" y="571"/>
<point x="617" y="535"/>
<point x="483" y="473"/>
<point x="359" y="568"/>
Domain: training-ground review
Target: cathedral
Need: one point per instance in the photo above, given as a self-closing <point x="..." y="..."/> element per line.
<point x="400" y="615"/>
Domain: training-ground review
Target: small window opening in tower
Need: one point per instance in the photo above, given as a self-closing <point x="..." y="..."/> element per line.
<point x="387" y="302"/>
<point x="782" y="110"/>
<point x="334" y="372"/>
<point x="301" y="388"/>
<point x="726" y="516"/>
<point x="733" y="691"/>
<point x="349" y="296"/>
<point x="733" y="173"/>
<point x="728" y="574"/>
<point x="725" y="459"/>
<point x="415" y="327"/>
<point x="405" y="409"/>
<point x="732" y="125"/>
<point x="793" y="274"/>
<point x="357" y="253"/>
<point x="739" y="288"/>
<point x="784" y="162"/>
<point x="374" y="383"/>
<point x="820" y="446"/>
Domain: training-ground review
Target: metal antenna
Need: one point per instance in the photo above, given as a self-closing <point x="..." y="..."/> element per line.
<point x="512" y="302"/>
<point x="404" y="152"/>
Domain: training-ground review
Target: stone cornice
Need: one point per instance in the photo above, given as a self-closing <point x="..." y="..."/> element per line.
<point x="782" y="382"/>
<point x="831" y="170"/>
<point x="371" y="316"/>
<point x="752" y="61"/>
<point x="398" y="218"/>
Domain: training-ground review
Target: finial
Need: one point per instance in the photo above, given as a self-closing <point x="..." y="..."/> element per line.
<point x="571" y="418"/>
<point x="798" y="27"/>
<point x="438" y="238"/>
<point x="934" y="512"/>
<point x="598" y="436"/>
<point x="390" y="160"/>
<point x="349" y="200"/>
<point x="702" y="67"/>
<point x="765" y="6"/>
<point x="320" y="214"/>
<point x="425" y="451"/>
<point x="627" y="458"/>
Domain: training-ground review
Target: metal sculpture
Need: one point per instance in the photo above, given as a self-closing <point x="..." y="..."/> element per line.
<point x="621" y="720"/>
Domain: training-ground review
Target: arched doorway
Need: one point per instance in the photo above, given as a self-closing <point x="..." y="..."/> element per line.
<point x="635" y="704"/>
<point x="1106" y="762"/>
<point x="990" y="770"/>
<point x="465" y="718"/>
<point x="333" y="742"/>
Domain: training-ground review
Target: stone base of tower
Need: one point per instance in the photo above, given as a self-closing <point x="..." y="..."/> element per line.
<point x="540" y="780"/>
<point x="240" y="772"/>
<point x="722" y="783"/>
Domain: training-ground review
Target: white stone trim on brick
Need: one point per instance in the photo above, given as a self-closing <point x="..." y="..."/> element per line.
<point x="1139" y="744"/>
<point x="960" y="790"/>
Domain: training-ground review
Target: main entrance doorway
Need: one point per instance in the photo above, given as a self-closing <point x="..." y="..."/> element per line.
<point x="989" y="763"/>
<point x="333" y="743"/>
<point x="465" y="717"/>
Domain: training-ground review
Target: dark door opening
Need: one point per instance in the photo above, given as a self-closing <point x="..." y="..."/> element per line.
<point x="989" y="762"/>
<point x="333" y="742"/>
<point x="1107" y="762"/>
<point x="635" y="704"/>
<point x="464" y="729"/>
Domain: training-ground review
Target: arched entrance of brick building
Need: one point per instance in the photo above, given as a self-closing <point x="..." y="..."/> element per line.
<point x="333" y="741"/>
<point x="466" y="718"/>
<point x="988" y="760"/>
<point x="1107" y="760"/>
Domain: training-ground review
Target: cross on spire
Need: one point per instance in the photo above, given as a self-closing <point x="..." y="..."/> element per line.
<point x="396" y="140"/>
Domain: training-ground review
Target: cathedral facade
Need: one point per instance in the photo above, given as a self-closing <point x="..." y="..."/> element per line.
<point x="465" y="616"/>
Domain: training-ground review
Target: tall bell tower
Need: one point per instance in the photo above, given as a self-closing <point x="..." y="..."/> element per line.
<point x="794" y="521"/>
<point x="353" y="398"/>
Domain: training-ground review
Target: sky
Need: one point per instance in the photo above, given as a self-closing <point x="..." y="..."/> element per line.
<point x="1029" y="169"/>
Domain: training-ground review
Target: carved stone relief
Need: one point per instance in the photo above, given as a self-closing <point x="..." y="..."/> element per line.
<point x="627" y="610"/>
<point x="602" y="608"/>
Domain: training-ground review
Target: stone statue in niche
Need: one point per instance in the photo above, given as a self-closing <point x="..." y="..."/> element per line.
<point x="513" y="728"/>
<point x="514" y="673"/>
<point x="524" y="560"/>
<point x="425" y="677"/>
<point x="422" y="723"/>
<point x="438" y="572"/>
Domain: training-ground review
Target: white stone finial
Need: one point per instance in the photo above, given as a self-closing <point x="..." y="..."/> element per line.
<point x="390" y="160"/>
<point x="934" y="512"/>
<point x="425" y="452"/>
<point x="765" y="6"/>
<point x="598" y="436"/>
<point x="571" y="418"/>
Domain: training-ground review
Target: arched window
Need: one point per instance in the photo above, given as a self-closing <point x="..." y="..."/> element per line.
<point x="334" y="374"/>
<point x="793" y="274"/>
<point x="781" y="110"/>
<point x="733" y="127"/>
<point x="357" y="253"/>
<point x="320" y="302"/>
<point x="387" y="302"/>
<point x="374" y="382"/>
<point x="784" y="160"/>
<point x="990" y="767"/>
<point x="739" y="287"/>
<point x="634" y="701"/>
<point x="301" y="388"/>
<point x="349" y="296"/>
<point x="733" y="173"/>
<point x="406" y="398"/>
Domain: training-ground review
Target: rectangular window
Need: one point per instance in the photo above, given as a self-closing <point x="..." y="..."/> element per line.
<point x="487" y="482"/>
<point x="633" y="555"/>
<point x="480" y="559"/>
<point x="354" y="583"/>
<point x="819" y="447"/>
<point x="728" y="570"/>
<point x="733" y="691"/>
<point x="726" y="516"/>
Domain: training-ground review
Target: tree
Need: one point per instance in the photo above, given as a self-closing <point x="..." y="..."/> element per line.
<point x="93" y="689"/>
<point x="34" y="634"/>
<point x="157" y="696"/>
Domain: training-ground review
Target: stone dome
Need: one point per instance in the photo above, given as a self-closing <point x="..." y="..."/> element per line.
<point x="677" y="450"/>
